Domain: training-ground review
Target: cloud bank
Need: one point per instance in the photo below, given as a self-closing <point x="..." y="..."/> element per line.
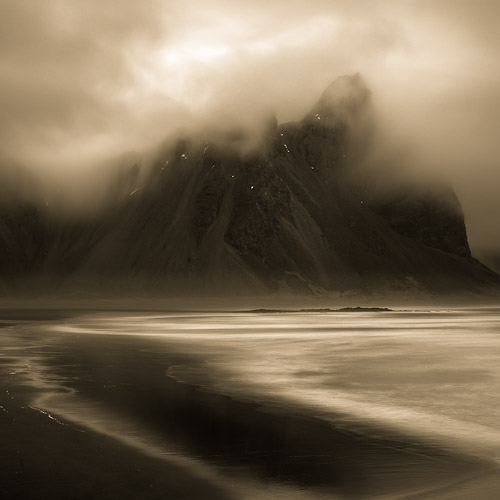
<point x="82" y="81"/>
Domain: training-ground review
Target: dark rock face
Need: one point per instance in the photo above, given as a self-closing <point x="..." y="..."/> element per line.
<point x="257" y="210"/>
<point x="492" y="259"/>
<point x="24" y="245"/>
<point x="434" y="220"/>
<point x="289" y="216"/>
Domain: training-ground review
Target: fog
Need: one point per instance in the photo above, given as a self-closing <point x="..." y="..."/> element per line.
<point x="83" y="81"/>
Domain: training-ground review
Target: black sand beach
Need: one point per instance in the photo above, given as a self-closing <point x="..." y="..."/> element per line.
<point x="96" y="416"/>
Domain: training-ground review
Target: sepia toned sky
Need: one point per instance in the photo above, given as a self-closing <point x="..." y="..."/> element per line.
<point x="84" y="80"/>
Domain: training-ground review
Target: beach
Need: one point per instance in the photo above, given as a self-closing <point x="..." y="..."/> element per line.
<point x="91" y="408"/>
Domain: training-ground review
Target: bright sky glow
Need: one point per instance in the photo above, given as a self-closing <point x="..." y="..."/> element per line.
<point x="204" y="54"/>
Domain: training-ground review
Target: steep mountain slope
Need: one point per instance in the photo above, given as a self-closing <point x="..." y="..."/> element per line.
<point x="291" y="216"/>
<point x="492" y="259"/>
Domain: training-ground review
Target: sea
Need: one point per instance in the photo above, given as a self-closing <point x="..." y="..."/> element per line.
<point x="425" y="376"/>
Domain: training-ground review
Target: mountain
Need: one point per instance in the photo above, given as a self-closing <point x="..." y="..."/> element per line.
<point x="294" y="213"/>
<point x="492" y="259"/>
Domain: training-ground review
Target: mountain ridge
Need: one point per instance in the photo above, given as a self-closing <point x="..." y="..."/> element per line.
<point x="285" y="216"/>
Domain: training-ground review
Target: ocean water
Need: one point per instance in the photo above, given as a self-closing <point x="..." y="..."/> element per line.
<point x="422" y="376"/>
<point x="431" y="374"/>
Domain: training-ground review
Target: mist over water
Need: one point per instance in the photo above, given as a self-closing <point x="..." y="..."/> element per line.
<point x="432" y="375"/>
<point x="305" y="405"/>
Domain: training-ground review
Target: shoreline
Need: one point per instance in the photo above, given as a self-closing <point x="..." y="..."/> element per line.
<point x="193" y="303"/>
<point x="239" y="440"/>
<point x="45" y="456"/>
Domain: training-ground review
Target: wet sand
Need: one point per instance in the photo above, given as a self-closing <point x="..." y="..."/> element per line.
<point x="44" y="456"/>
<point x="116" y="426"/>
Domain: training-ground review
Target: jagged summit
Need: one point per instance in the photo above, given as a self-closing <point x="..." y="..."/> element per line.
<point x="347" y="96"/>
<point x="207" y="220"/>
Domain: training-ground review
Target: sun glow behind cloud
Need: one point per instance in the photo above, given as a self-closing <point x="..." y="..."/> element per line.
<point x="85" y="80"/>
<point x="218" y="53"/>
<point x="197" y="54"/>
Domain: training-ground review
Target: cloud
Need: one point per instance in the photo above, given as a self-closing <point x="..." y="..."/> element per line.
<point x="84" y="80"/>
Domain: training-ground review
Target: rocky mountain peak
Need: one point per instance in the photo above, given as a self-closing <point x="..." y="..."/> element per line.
<point x="209" y="219"/>
<point x="346" y="98"/>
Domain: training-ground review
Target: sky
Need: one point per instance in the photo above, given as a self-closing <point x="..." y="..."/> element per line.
<point x="85" y="80"/>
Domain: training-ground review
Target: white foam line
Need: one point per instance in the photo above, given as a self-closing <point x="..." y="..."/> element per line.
<point x="46" y="413"/>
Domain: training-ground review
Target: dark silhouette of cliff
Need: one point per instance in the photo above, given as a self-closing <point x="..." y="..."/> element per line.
<point x="295" y="214"/>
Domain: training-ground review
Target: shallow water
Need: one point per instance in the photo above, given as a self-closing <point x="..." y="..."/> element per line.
<point x="432" y="374"/>
<point x="428" y="377"/>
